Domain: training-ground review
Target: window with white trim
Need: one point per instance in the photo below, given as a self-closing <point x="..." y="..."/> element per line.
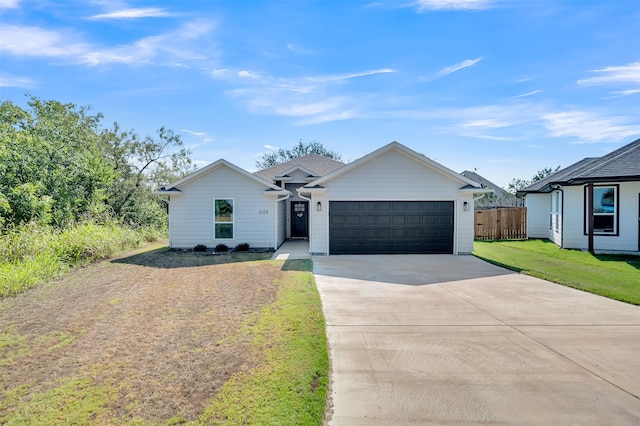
<point x="223" y="218"/>
<point x="605" y="210"/>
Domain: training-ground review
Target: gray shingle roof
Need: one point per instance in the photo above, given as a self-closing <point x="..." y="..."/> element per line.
<point x="623" y="164"/>
<point x="316" y="164"/>
<point x="499" y="192"/>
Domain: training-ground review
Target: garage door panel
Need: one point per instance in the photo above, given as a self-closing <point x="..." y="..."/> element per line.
<point x="391" y="227"/>
<point x="368" y="219"/>
<point x="399" y="219"/>
<point x="383" y="233"/>
<point x="353" y="220"/>
<point x="384" y="220"/>
<point x="337" y="219"/>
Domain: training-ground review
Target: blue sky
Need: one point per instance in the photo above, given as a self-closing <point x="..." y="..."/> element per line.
<point x="504" y="87"/>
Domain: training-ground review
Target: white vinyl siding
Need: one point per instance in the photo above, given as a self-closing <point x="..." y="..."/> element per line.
<point x="282" y="221"/>
<point x="574" y="225"/>
<point x="192" y="212"/>
<point x="538" y="214"/>
<point x="393" y="176"/>
<point x="556" y="217"/>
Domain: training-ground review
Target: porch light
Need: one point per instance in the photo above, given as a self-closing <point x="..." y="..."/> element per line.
<point x="465" y="206"/>
<point x="319" y="206"/>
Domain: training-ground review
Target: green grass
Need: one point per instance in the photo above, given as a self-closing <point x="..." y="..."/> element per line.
<point x="70" y="401"/>
<point x="33" y="254"/>
<point x="613" y="276"/>
<point x="289" y="384"/>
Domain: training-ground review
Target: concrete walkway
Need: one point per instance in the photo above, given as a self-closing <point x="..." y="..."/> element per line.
<point x="441" y="339"/>
<point x="292" y="249"/>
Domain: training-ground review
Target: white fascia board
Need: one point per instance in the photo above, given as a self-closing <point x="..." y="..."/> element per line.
<point x="217" y="164"/>
<point x="404" y="150"/>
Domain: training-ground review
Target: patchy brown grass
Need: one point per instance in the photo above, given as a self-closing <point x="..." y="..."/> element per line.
<point x="154" y="334"/>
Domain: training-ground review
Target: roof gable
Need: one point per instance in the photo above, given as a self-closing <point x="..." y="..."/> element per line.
<point x="499" y="191"/>
<point x="398" y="147"/>
<point x="214" y="166"/>
<point x="315" y="165"/>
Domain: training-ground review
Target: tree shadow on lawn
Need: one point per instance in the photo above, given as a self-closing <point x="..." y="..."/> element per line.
<point x="629" y="259"/>
<point x="303" y="265"/>
<point x="166" y="258"/>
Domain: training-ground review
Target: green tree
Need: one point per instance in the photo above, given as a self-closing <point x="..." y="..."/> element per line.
<point x="51" y="153"/>
<point x="143" y="165"/>
<point x="59" y="166"/>
<point x="517" y="184"/>
<point x="270" y="159"/>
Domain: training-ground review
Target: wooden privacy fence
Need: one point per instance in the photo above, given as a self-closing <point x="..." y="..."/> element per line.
<point x="508" y="223"/>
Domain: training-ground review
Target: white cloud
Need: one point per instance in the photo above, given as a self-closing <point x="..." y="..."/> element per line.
<point x="457" y="67"/>
<point x="9" y="4"/>
<point x="589" y="127"/>
<point x="524" y="95"/>
<point x="10" y="80"/>
<point x="299" y="50"/>
<point x="34" y="41"/>
<point x="487" y="137"/>
<point x="271" y="147"/>
<point x="308" y="98"/>
<point x="618" y="74"/>
<point x="169" y="49"/>
<point x="487" y="123"/>
<point x="135" y="13"/>
<point x="423" y="5"/>
<point x="339" y="77"/>
<point x="248" y="74"/>
<point x="313" y="108"/>
<point x="191" y="132"/>
<point x="627" y="92"/>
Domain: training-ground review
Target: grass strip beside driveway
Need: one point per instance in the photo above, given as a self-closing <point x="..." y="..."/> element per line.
<point x="289" y="384"/>
<point x="613" y="276"/>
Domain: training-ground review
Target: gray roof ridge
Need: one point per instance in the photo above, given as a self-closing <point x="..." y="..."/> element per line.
<point x="613" y="156"/>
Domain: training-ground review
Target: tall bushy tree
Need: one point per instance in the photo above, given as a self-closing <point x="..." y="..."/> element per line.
<point x="270" y="159"/>
<point x="58" y="166"/>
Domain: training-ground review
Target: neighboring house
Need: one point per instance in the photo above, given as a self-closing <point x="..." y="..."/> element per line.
<point x="499" y="197"/>
<point x="392" y="200"/>
<point x="560" y="208"/>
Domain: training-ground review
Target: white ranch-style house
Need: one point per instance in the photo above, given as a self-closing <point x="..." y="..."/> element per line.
<point x="593" y="204"/>
<point x="393" y="200"/>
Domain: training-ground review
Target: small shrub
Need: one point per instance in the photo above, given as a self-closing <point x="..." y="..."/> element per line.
<point x="242" y="247"/>
<point x="200" y="247"/>
<point x="221" y="248"/>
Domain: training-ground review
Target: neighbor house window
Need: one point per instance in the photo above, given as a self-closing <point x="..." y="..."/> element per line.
<point x="605" y="210"/>
<point x="223" y="218"/>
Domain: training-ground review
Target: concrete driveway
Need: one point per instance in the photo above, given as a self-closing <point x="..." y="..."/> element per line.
<point x="440" y="339"/>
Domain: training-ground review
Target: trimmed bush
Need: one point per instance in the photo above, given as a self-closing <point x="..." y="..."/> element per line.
<point x="200" y="247"/>
<point x="242" y="247"/>
<point x="221" y="248"/>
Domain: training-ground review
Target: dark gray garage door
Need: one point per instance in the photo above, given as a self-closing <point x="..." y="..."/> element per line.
<point x="379" y="227"/>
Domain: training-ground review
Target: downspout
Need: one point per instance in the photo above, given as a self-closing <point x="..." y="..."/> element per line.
<point x="590" y="215"/>
<point x="286" y="197"/>
<point x="559" y="188"/>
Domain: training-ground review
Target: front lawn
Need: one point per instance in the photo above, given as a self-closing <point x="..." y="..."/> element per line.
<point x="160" y="337"/>
<point x="613" y="276"/>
